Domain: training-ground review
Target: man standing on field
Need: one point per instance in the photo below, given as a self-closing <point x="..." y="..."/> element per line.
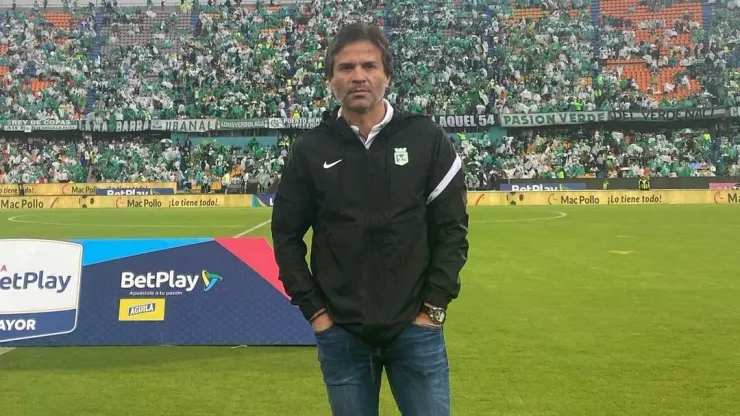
<point x="383" y="191"/>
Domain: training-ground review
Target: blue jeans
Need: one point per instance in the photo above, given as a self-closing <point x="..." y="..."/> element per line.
<point x="416" y="362"/>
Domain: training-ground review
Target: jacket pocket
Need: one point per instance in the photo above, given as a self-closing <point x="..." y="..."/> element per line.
<point x="403" y="241"/>
<point x="339" y="266"/>
<point x="402" y="258"/>
<point x="345" y="247"/>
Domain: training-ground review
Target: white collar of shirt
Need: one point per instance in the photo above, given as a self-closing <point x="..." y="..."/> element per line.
<point x="378" y="127"/>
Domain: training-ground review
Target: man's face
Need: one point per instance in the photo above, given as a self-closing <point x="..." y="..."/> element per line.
<point x="359" y="80"/>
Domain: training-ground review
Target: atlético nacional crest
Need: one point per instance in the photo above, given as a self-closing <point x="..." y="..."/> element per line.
<point x="401" y="156"/>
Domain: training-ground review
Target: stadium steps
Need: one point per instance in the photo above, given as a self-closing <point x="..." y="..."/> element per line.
<point x="596" y="38"/>
<point x="706" y="17"/>
<point x="94" y="54"/>
<point x="90" y="104"/>
<point x="194" y="18"/>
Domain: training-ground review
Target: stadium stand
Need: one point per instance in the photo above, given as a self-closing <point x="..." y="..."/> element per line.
<point x="491" y="55"/>
<point x="599" y="154"/>
<point x="129" y="158"/>
<point x="649" y="46"/>
<point x="45" y="64"/>
<point x="244" y="61"/>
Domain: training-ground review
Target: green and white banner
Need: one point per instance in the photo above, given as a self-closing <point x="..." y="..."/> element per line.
<point x="294" y="123"/>
<point x="664" y="115"/>
<point x="254" y="123"/>
<point x="660" y="115"/>
<point x="549" y="119"/>
<point x="35" y="125"/>
<point x="116" y="126"/>
<point x="478" y="120"/>
<point x="472" y="121"/>
<point x="185" y="126"/>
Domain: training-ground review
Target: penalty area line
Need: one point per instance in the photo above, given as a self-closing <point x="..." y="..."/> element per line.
<point x="256" y="227"/>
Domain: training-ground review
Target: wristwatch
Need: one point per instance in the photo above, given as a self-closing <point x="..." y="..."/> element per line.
<point x="438" y="315"/>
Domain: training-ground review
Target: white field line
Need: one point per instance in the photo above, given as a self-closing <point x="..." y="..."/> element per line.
<point x="256" y="227"/>
<point x="554" y="217"/>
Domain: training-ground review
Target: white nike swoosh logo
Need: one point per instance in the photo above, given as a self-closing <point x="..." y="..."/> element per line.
<point x="328" y="165"/>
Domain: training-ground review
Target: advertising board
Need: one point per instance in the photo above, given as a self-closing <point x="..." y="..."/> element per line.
<point x="40" y="284"/>
<point x="570" y="186"/>
<point x="64" y="189"/>
<point x="129" y="202"/>
<point x="263" y="200"/>
<point x="724" y="185"/>
<point x="188" y="291"/>
<point x="582" y="198"/>
<point x="133" y="191"/>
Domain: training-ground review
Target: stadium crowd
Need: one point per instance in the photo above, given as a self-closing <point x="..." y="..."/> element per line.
<point x="44" y="69"/>
<point x="601" y="154"/>
<point x="124" y="159"/>
<point x="528" y="155"/>
<point x="233" y="61"/>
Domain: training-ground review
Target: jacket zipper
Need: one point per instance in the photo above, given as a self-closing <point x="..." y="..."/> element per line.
<point x="373" y="279"/>
<point x="377" y="202"/>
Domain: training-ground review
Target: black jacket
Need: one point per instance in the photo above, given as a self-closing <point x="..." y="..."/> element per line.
<point x="389" y="223"/>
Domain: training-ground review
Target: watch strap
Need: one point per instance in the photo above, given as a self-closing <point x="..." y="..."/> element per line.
<point x="438" y="315"/>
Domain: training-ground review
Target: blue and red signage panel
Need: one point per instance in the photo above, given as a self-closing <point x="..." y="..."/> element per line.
<point x="197" y="291"/>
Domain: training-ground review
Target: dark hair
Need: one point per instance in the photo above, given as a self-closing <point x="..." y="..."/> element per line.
<point x="358" y="32"/>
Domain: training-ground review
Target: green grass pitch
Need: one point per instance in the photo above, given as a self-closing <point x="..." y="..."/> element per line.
<point x="629" y="310"/>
